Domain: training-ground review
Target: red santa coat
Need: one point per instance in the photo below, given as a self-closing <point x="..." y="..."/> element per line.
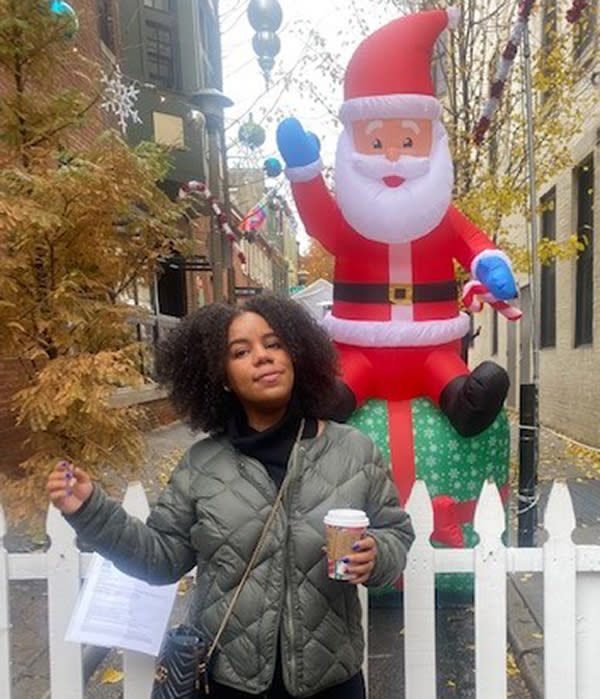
<point x="395" y="312"/>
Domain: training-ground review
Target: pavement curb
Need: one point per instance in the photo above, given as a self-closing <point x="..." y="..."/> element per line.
<point x="526" y="640"/>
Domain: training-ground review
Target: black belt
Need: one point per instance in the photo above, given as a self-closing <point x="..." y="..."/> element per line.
<point x="397" y="294"/>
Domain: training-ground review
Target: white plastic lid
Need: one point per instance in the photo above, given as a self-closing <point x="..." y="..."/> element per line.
<point x="354" y="519"/>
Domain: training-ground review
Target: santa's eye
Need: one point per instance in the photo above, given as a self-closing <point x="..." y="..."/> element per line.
<point x="407" y="143"/>
<point x="377" y="143"/>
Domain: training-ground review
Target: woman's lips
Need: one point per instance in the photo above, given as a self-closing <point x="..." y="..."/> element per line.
<point x="393" y="180"/>
<point x="270" y="377"/>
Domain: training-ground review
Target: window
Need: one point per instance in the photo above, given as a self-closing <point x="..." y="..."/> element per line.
<point x="163" y="5"/>
<point x="159" y="52"/>
<point x="494" y="332"/>
<point x="171" y="289"/>
<point x="106" y="26"/>
<point x="585" y="28"/>
<point x="548" y="281"/>
<point x="168" y="130"/>
<point x="584" y="289"/>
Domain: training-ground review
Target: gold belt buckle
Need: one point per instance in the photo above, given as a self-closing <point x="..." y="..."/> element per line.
<point x="400" y="294"/>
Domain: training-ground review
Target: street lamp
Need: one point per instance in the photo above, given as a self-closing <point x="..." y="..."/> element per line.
<point x="265" y="17"/>
<point x="211" y="102"/>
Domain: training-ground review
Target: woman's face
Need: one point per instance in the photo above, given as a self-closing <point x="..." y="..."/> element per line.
<point x="258" y="368"/>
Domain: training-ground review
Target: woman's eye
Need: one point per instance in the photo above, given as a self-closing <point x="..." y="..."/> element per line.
<point x="274" y="345"/>
<point x="377" y="143"/>
<point x="239" y="353"/>
<point x="407" y="143"/>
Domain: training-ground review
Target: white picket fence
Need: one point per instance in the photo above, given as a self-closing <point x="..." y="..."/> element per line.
<point x="571" y="577"/>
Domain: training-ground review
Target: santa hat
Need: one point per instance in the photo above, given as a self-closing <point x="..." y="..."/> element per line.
<point x="389" y="74"/>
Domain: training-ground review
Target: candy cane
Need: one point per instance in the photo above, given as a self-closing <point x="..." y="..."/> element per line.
<point x="196" y="187"/>
<point x="475" y="294"/>
<point x="503" y="71"/>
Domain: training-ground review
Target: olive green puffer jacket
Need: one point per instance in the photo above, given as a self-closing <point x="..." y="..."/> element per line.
<point x="211" y="515"/>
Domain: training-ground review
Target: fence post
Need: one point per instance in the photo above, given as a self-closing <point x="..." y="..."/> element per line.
<point x="138" y="668"/>
<point x="64" y="583"/>
<point x="490" y="596"/>
<point x="560" y="560"/>
<point x="588" y="634"/>
<point x="419" y="600"/>
<point x="5" y="674"/>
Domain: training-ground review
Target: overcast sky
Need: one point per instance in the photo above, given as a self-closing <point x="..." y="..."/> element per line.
<point x="339" y="21"/>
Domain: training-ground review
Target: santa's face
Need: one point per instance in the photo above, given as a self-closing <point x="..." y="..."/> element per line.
<point x="394" y="177"/>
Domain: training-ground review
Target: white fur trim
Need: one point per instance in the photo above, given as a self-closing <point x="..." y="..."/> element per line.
<point x="390" y="107"/>
<point x="453" y="17"/>
<point x="304" y="173"/>
<point x="489" y="253"/>
<point x="396" y="333"/>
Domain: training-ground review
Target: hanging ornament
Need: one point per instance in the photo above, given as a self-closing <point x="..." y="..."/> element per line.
<point x="68" y="14"/>
<point x="265" y="16"/>
<point x="120" y="99"/>
<point x="272" y="167"/>
<point x="251" y="134"/>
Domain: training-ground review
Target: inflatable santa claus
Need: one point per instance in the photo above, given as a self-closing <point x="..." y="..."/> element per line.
<point x="395" y="234"/>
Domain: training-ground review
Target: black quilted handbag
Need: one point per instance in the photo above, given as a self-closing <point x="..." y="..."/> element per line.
<point x="182" y="666"/>
<point x="182" y="669"/>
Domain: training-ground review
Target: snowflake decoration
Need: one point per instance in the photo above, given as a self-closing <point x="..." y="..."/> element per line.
<point x="120" y="99"/>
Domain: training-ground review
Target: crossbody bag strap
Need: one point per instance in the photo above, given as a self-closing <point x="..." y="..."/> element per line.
<point x="259" y="544"/>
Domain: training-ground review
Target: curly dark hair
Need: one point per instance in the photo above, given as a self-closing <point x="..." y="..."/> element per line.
<point x="191" y="360"/>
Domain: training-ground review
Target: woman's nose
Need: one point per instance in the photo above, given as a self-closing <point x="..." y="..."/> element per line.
<point x="260" y="355"/>
<point x="392" y="153"/>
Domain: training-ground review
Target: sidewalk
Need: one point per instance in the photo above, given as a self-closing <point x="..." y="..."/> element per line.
<point x="559" y="459"/>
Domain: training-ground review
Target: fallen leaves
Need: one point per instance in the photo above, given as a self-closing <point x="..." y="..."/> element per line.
<point x="111" y="676"/>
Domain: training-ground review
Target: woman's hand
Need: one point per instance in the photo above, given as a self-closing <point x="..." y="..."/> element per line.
<point x="68" y="488"/>
<point x="360" y="564"/>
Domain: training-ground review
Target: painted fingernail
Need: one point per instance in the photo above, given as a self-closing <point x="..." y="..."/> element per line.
<point x="69" y="492"/>
<point x="63" y="464"/>
<point x="345" y="559"/>
<point x="355" y="547"/>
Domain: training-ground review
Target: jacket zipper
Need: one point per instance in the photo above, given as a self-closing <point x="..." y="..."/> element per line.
<point x="269" y="491"/>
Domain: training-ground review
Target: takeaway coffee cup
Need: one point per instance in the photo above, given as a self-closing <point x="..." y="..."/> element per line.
<point x="343" y="529"/>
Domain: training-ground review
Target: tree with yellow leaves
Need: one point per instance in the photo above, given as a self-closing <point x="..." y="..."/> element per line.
<point x="77" y="228"/>
<point x="317" y="263"/>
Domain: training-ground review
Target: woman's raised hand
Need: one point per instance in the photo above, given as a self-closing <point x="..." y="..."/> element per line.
<point x="68" y="488"/>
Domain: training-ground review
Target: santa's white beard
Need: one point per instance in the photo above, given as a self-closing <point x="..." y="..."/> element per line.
<point x="394" y="214"/>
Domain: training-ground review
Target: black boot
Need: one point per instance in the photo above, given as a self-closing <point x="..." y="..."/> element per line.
<point x="472" y="402"/>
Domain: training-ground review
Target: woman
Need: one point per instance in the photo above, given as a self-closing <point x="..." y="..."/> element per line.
<point x="249" y="376"/>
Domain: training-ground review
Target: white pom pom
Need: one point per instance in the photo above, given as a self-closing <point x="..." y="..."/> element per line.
<point x="453" y="17"/>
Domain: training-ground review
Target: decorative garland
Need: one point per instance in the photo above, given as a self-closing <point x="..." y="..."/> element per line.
<point x="196" y="187"/>
<point x="503" y="70"/>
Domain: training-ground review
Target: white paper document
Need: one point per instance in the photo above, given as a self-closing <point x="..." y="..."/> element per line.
<point x="114" y="610"/>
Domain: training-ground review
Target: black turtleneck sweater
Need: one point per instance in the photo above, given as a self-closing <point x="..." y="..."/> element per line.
<point x="273" y="446"/>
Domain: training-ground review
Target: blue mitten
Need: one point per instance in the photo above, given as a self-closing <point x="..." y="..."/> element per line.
<point x="297" y="146"/>
<point x="496" y="274"/>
